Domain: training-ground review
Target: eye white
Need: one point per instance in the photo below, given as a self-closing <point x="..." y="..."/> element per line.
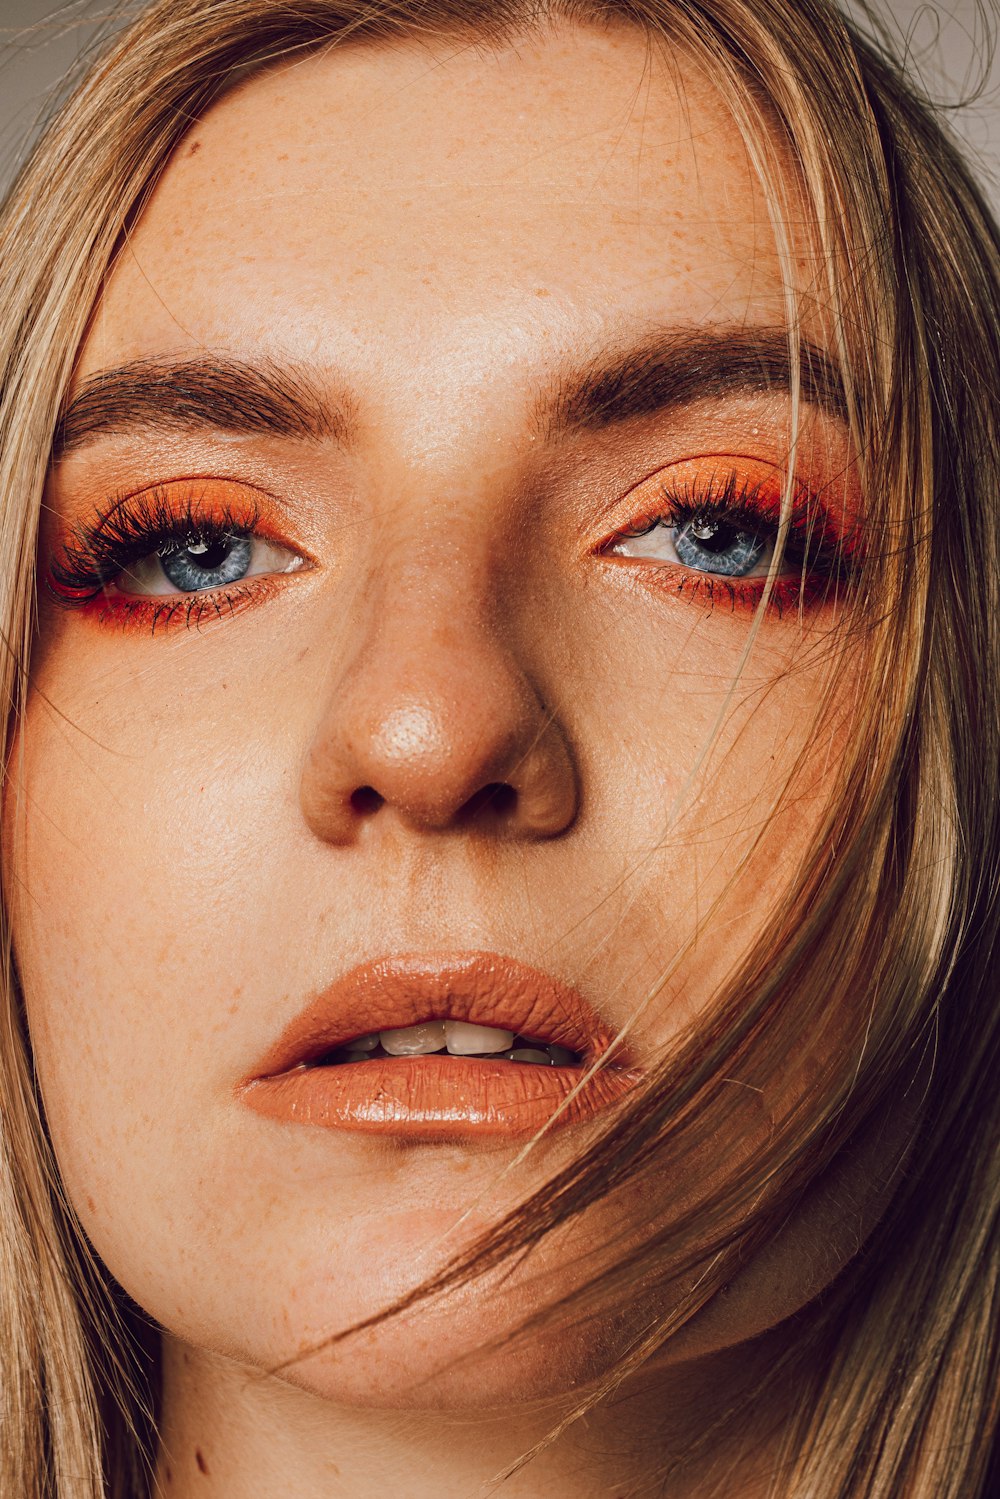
<point x="148" y="576"/>
<point x="657" y="543"/>
<point x="690" y="546"/>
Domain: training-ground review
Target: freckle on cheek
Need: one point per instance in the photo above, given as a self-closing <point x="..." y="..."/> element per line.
<point x="199" y="1458"/>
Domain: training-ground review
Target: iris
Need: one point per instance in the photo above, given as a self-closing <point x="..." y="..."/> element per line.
<point x="209" y="563"/>
<point x="717" y="546"/>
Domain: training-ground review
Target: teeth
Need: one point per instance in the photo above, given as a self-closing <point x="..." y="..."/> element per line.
<point x="467" y="1040"/>
<point x="460" y="1038"/>
<point x="414" y="1040"/>
<point x="363" y="1043"/>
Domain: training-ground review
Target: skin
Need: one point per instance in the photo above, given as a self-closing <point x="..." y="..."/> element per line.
<point x="180" y="886"/>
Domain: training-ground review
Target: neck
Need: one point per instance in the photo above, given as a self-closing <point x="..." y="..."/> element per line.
<point x="231" y="1432"/>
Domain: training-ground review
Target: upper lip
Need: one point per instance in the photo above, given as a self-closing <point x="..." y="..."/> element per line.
<point x="484" y="988"/>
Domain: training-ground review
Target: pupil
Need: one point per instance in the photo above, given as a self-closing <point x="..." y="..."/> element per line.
<point x="209" y="555"/>
<point x="716" y="536"/>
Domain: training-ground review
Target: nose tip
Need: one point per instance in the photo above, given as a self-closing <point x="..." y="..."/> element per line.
<point x="406" y="742"/>
<point x="491" y="761"/>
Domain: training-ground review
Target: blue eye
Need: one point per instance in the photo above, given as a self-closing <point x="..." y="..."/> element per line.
<point x="207" y="564"/>
<point x="716" y="546"/>
<point x="704" y="544"/>
<point x="203" y="563"/>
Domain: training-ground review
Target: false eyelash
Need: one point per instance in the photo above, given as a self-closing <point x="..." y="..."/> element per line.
<point x="753" y="508"/>
<point x="94" y="554"/>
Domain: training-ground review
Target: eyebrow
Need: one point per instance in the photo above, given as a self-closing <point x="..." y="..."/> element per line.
<point x="669" y="370"/>
<point x="216" y="392"/>
<point x="681" y="367"/>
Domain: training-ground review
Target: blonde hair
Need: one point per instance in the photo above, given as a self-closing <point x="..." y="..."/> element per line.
<point x="885" y="951"/>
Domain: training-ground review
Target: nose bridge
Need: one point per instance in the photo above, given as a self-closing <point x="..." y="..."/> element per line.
<point x="428" y="610"/>
<point x="434" y="691"/>
<point x="432" y="715"/>
<point x="431" y="573"/>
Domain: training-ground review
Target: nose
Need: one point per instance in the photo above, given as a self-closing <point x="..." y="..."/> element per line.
<point x="433" y="720"/>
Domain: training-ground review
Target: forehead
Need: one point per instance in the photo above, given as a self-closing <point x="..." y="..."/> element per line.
<point x="406" y="203"/>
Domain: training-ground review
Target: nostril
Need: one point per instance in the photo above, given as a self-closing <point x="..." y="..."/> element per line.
<point x="498" y="798"/>
<point x="366" y="800"/>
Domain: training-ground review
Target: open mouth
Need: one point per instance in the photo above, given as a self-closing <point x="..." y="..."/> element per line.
<point x="440" y="1046"/>
<point x="456" y="1038"/>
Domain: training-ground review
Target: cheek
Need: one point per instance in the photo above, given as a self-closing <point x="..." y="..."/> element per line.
<point x="717" y="788"/>
<point x="121" y="860"/>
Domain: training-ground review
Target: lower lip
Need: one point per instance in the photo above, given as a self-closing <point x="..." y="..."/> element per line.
<point x="436" y="1096"/>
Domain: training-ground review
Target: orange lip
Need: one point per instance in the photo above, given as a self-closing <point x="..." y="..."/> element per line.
<point x="437" y="1096"/>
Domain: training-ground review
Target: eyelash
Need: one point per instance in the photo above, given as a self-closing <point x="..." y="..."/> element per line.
<point x="826" y="556"/>
<point x="133" y="527"/>
<point x="96" y="553"/>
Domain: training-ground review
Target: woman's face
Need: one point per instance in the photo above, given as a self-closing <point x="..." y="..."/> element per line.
<point x="474" y="358"/>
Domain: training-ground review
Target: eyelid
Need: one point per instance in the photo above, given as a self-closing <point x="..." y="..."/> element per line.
<point x="824" y="510"/>
<point x="702" y="469"/>
<point x="92" y="554"/>
<point x="144" y="514"/>
<point x="213" y="496"/>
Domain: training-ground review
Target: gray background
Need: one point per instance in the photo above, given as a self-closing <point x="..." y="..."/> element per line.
<point x="946" y="41"/>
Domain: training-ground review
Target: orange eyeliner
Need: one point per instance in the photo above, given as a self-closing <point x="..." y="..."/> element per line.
<point x="93" y="555"/>
<point x="746" y="494"/>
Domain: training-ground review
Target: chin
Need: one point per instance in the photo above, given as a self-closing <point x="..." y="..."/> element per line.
<point x="289" y="1314"/>
<point x="435" y="1360"/>
<point x="459" y="1350"/>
